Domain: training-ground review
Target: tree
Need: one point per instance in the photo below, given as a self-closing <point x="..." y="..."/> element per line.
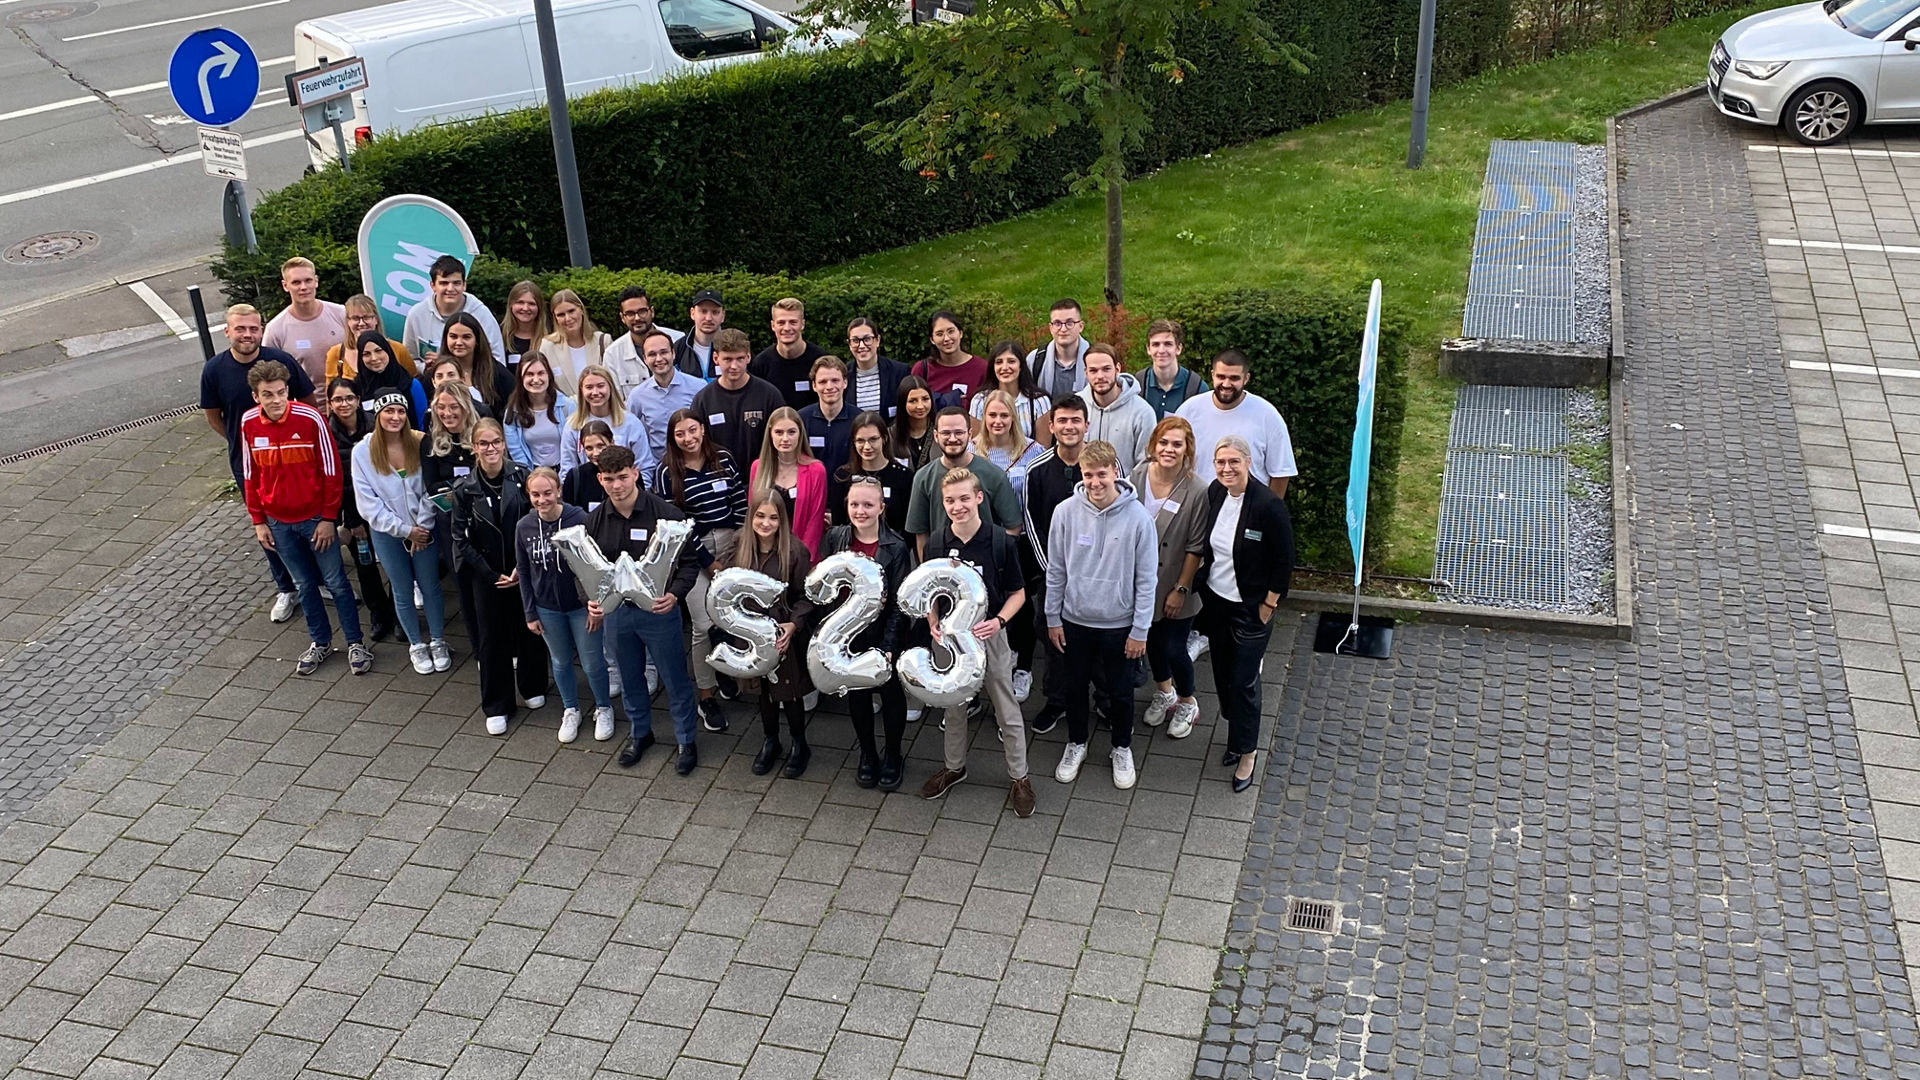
<point x="983" y="88"/>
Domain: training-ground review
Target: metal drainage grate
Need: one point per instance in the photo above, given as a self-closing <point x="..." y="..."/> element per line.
<point x="1508" y="418"/>
<point x="170" y="414"/>
<point x="1520" y="285"/>
<point x="50" y="247"/>
<point x="1313" y="916"/>
<point x="1504" y="573"/>
<point x="1523" y="319"/>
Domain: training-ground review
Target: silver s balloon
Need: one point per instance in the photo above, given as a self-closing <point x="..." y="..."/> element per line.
<point x="755" y="657"/>
<point x="655" y="568"/>
<point x="961" y="585"/>
<point x="835" y="668"/>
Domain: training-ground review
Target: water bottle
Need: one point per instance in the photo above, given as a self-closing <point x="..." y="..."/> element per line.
<point x="363" y="552"/>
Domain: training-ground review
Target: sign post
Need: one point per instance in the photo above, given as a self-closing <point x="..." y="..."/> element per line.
<point x="214" y="77"/>
<point x="399" y="239"/>
<point x="324" y="96"/>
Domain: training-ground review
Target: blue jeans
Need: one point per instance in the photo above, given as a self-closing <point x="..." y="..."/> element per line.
<point x="294" y="541"/>
<point x="282" y="581"/>
<point x="567" y="636"/>
<point x="407" y="569"/>
<point x="634" y="634"/>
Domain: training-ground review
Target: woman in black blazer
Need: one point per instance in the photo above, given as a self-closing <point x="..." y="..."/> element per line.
<point x="1245" y="573"/>
<point x="488" y="504"/>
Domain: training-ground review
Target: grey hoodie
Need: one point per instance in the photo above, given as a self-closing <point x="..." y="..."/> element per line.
<point x="1102" y="565"/>
<point x="1127" y="423"/>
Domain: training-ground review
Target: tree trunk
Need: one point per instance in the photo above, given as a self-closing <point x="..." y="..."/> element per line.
<point x="1114" y="150"/>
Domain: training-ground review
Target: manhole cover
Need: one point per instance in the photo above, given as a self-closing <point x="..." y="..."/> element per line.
<point x="51" y="247"/>
<point x="51" y="13"/>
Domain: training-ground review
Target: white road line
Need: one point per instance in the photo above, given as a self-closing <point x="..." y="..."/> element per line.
<point x="1841" y="151"/>
<point x="134" y="170"/>
<point x="1878" y="536"/>
<point x="130" y="91"/>
<point x="1834" y="245"/>
<point x="180" y="19"/>
<point x="1856" y="369"/>
<point x="161" y="308"/>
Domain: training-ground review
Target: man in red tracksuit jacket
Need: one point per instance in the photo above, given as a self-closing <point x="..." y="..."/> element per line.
<point x="292" y="474"/>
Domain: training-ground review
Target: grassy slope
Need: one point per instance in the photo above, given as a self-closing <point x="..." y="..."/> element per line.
<point x="1333" y="205"/>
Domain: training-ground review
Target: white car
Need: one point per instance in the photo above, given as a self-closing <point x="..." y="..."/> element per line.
<point x="1820" y="70"/>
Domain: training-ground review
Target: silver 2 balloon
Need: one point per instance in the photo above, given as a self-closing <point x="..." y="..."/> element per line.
<point x="831" y="661"/>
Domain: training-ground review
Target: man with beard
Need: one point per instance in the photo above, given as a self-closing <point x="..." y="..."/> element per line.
<point x="1232" y="410"/>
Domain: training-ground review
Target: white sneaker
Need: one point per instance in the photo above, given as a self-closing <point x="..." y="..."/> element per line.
<point x="914" y="714"/>
<point x="653" y="680"/>
<point x="283" y="606"/>
<point x="569" y="725"/>
<point x="1022" y="685"/>
<point x="536" y="701"/>
<point x="496" y="725"/>
<point x="422" y="658"/>
<point x="603" y="723"/>
<point x="1157" y="708"/>
<point x="442" y="659"/>
<point x="1196" y="644"/>
<point x="1123" y="774"/>
<point x="1180" y="721"/>
<point x="1070" y="759"/>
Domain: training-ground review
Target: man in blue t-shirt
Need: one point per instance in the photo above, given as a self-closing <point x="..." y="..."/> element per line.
<point x="226" y="397"/>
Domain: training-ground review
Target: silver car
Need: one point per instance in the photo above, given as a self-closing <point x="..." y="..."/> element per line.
<point x="1820" y="70"/>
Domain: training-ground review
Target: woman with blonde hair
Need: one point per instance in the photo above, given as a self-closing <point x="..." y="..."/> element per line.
<point x="523" y="322"/>
<point x="1177" y="500"/>
<point x="787" y="466"/>
<point x="575" y="343"/>
<point x="390" y="493"/>
<point x="599" y="399"/>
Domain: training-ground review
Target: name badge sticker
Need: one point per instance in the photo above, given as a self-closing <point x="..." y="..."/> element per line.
<point x="303" y="344"/>
<point x="592" y="506"/>
<point x="715" y="419"/>
<point x="1254" y="534"/>
<point x="513" y="358"/>
<point x="1170" y="506"/>
<point x="886" y="493"/>
<point x="261" y="442"/>
<point x="719" y="485"/>
<point x="462" y="470"/>
<point x="1083" y="540"/>
<point x="816" y="440"/>
<point x="636" y="534"/>
<point x="802" y="385"/>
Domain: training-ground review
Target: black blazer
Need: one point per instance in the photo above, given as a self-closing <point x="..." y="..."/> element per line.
<point x="479" y="545"/>
<point x="1263" y="547"/>
<point x="896" y="561"/>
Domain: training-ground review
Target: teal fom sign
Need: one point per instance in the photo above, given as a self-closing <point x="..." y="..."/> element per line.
<point x="399" y="239"/>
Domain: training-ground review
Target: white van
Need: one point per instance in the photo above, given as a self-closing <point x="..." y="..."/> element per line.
<point x="439" y="61"/>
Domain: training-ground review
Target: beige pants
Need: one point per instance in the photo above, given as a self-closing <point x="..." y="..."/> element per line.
<point x="1006" y="712"/>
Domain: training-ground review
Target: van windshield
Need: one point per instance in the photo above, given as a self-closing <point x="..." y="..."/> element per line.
<point x="1871" y="18"/>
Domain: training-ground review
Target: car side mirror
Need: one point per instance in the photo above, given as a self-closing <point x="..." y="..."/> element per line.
<point x="1912" y="38"/>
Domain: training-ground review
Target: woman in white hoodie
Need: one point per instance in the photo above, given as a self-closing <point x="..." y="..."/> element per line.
<point x="393" y="498"/>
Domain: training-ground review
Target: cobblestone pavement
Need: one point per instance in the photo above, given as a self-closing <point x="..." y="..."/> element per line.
<point x="1847" y="317"/>
<point x="1558" y="857"/>
<point x="344" y="877"/>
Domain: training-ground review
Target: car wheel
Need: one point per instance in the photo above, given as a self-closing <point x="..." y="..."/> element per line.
<point x="1822" y="113"/>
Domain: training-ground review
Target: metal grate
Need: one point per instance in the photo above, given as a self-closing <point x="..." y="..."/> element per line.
<point x="1492" y="474"/>
<point x="1509" y="418"/>
<point x="1504" y="573"/>
<point x="1503" y="513"/>
<point x="1522" y="278"/>
<point x="1524" y="319"/>
<point x="170" y="414"/>
<point x="1314" y="916"/>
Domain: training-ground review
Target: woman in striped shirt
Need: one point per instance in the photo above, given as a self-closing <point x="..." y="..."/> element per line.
<point x="701" y="479"/>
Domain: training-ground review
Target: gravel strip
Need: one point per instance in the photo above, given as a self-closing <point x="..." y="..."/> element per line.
<point x="1592" y="297"/>
<point x="1589" y="504"/>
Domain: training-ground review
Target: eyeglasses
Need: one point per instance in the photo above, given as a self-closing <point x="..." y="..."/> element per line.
<point x="864" y="339"/>
<point x="478" y="443"/>
<point x="1062" y="324"/>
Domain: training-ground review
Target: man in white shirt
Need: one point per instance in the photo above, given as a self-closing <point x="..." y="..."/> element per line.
<point x="427" y="322"/>
<point x="1231" y="410"/>
<point x="625" y="356"/>
<point x="664" y="391"/>
<point x="308" y="327"/>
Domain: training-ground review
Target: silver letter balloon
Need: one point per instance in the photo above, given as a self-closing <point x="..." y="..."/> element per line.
<point x="755" y="657"/>
<point x="830" y="660"/>
<point x="962" y="586"/>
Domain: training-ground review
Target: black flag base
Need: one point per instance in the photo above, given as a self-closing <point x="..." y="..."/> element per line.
<point x="1372" y="638"/>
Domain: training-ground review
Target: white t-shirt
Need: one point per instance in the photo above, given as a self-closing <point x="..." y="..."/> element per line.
<point x="1255" y="420"/>
<point x="1220" y="576"/>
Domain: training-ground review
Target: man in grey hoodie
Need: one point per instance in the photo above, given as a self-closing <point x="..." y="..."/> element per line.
<point x="1116" y="412"/>
<point x="1102" y="567"/>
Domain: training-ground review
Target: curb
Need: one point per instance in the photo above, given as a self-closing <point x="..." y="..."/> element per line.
<point x="1695" y="90"/>
<point x="115" y="282"/>
<point x="1617" y="386"/>
<point x="1491" y="618"/>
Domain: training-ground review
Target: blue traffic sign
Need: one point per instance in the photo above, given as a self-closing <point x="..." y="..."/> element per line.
<point x="214" y="77"/>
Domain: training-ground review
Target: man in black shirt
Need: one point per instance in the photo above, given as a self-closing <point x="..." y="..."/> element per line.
<point x="226" y="398"/>
<point x="736" y="405"/>
<point x="626" y="522"/>
<point x="788" y="362"/>
<point x="1050" y="481"/>
<point x="829" y="421"/>
<point x="989" y="549"/>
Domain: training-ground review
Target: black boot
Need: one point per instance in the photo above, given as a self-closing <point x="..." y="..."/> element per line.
<point x="891" y="768"/>
<point x="797" y="761"/>
<point x="769" y="753"/>
<point x="868" y="774"/>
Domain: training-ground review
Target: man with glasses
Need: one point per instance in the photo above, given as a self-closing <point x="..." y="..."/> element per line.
<point x="625" y="356"/>
<point x="875" y="379"/>
<point x="926" y="512"/>
<point x="1061" y="368"/>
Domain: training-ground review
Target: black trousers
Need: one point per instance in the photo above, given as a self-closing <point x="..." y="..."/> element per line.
<point x="1238" y="642"/>
<point x="1097" y="658"/>
<point x="500" y="637"/>
<point x="893" y="716"/>
<point x="770" y="716"/>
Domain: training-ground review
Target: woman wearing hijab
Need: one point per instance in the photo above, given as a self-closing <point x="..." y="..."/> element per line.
<point x="377" y="372"/>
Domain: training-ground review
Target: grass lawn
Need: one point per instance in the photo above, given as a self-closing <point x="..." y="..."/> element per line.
<point x="1329" y="205"/>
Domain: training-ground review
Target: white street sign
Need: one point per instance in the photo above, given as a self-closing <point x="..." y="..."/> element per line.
<point x="223" y="154"/>
<point x="314" y="85"/>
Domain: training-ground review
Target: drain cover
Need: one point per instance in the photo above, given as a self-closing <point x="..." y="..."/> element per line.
<point x="51" y="13"/>
<point x="1311" y="915"/>
<point x="50" y="247"/>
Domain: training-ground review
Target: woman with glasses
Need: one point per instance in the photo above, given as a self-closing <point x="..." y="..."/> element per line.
<point x="488" y="504"/>
<point x="873" y="382"/>
<point x="363" y="317"/>
<point x="869" y="459"/>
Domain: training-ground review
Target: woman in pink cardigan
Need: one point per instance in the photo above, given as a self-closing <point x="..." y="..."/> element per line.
<point x="785" y="464"/>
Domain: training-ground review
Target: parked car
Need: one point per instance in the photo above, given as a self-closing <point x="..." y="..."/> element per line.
<point x="1820" y="70"/>
<point x="441" y="61"/>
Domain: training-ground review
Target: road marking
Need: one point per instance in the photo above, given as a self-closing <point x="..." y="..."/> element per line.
<point x="1878" y="536"/>
<point x="180" y="19"/>
<point x="135" y="170"/>
<point x="1842" y="151"/>
<point x="130" y="91"/>
<point x="161" y="308"/>
<point x="1856" y="369"/>
<point x="1834" y="245"/>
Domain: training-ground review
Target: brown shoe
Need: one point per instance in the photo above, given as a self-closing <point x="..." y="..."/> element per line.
<point x="939" y="782"/>
<point x="1022" y="798"/>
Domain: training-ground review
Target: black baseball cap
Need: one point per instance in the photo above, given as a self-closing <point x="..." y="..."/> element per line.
<point x="707" y="296"/>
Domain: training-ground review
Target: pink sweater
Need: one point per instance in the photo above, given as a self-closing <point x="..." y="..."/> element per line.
<point x="809" y="503"/>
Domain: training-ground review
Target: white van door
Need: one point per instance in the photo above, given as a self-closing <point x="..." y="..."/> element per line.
<point x="455" y="75"/>
<point x="707" y="33"/>
<point x="604" y="45"/>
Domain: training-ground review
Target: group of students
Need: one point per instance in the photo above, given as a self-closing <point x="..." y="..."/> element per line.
<point x="1106" y="512"/>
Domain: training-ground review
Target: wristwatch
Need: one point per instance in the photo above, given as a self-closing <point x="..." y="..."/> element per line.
<point x="1182" y="589"/>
